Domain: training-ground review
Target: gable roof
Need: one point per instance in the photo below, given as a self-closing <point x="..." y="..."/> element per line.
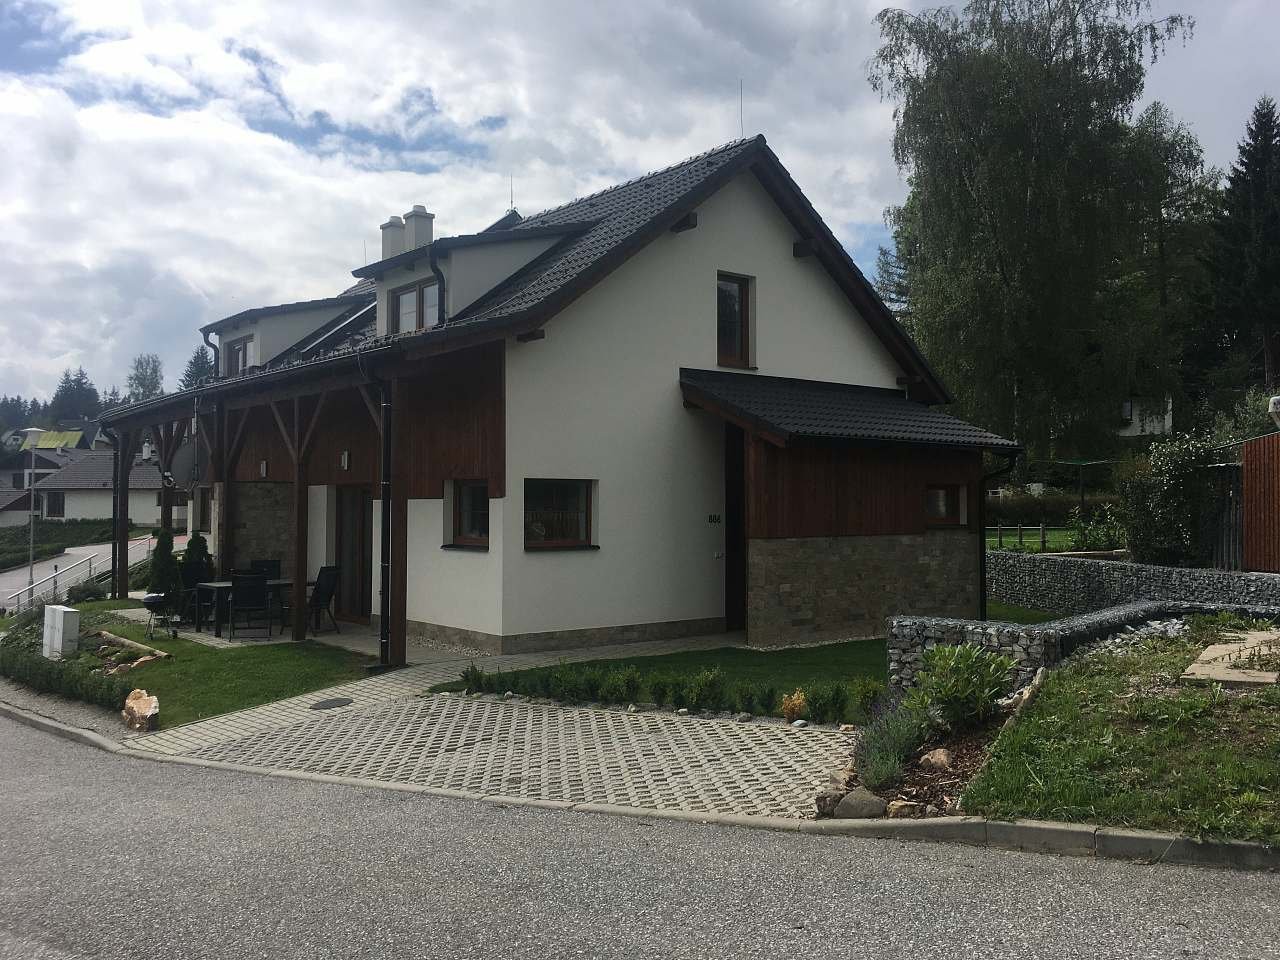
<point x="53" y="439"/>
<point x="93" y="472"/>
<point x="355" y="294"/>
<point x="782" y="409"/>
<point x="14" y="500"/>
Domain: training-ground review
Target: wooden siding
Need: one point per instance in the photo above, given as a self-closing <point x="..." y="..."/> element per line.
<point x="455" y="413"/>
<point x="1260" y="462"/>
<point x="821" y="490"/>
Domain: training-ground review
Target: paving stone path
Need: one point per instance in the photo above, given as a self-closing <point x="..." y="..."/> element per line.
<point x="544" y="752"/>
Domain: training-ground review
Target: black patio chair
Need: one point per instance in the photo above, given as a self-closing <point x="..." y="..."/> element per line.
<point x="190" y="599"/>
<point x="319" y="601"/>
<point x="267" y="568"/>
<point x="251" y="599"/>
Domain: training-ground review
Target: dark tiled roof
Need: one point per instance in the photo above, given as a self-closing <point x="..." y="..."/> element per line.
<point x="811" y="409"/>
<point x="620" y="215"/>
<point x="93" y="472"/>
<point x="346" y="298"/>
<point x="14" y="500"/>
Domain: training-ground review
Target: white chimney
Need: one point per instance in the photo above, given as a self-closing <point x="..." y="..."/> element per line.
<point x="392" y="237"/>
<point x="146" y="449"/>
<point x="417" y="227"/>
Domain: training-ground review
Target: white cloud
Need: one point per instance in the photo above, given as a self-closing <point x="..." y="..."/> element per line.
<point x="188" y="159"/>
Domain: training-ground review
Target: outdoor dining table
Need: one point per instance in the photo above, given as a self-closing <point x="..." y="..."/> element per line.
<point x="221" y="590"/>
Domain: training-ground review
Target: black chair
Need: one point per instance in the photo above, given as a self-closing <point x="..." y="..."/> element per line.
<point x="321" y="600"/>
<point x="191" y="600"/>
<point x="267" y="568"/>
<point x="251" y="599"/>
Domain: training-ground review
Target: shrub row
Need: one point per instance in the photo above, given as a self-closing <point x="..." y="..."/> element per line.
<point x="1051" y="509"/>
<point x="827" y="702"/>
<point x="73" y="679"/>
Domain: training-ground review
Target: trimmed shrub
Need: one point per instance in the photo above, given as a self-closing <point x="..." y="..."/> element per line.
<point x="1051" y="509"/>
<point x="165" y="577"/>
<point x="73" y="679"/>
<point x="892" y="736"/>
<point x="620" y="686"/>
<point x="959" y="685"/>
<point x="85" y="592"/>
<point x="140" y="576"/>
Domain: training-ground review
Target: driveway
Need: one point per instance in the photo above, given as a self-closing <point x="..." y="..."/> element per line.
<point x="14" y="580"/>
<point x="108" y="857"/>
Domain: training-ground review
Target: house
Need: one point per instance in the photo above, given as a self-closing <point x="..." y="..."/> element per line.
<point x="673" y="407"/>
<point x="15" y="507"/>
<point x="1145" y="417"/>
<point x="83" y="490"/>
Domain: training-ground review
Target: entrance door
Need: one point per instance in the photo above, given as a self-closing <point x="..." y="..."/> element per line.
<point x="735" y="529"/>
<point x="355" y="554"/>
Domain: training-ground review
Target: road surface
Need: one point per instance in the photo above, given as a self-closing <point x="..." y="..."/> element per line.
<point x="111" y="857"/>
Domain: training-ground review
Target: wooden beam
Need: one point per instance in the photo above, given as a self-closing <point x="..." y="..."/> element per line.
<point x="369" y="404"/>
<point x="237" y="441"/>
<point x="284" y="433"/>
<point x="306" y="388"/>
<point x="305" y="446"/>
<point x="205" y="433"/>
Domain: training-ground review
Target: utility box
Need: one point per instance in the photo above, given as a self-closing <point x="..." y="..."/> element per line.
<point x="61" y="631"/>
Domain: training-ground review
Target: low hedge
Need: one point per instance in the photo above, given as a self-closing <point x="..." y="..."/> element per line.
<point x="1051" y="509"/>
<point x="838" y="701"/>
<point x="72" y="678"/>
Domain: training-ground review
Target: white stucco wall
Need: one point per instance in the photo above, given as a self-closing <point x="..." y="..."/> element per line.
<point x="14" y="518"/>
<point x="599" y="399"/>
<point x="96" y="505"/>
<point x="274" y="333"/>
<point x="322" y="528"/>
<point x="453" y="588"/>
<point x="472" y="271"/>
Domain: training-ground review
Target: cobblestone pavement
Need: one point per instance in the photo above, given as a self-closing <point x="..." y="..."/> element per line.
<point x="439" y="667"/>
<point x="545" y="752"/>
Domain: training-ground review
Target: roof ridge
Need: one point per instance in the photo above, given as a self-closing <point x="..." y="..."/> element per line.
<point x="742" y="141"/>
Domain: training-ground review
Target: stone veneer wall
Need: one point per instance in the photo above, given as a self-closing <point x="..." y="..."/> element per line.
<point x="435" y="633"/>
<point x="1033" y="645"/>
<point x="263" y="519"/>
<point x="819" y="589"/>
<point x="1070" y="585"/>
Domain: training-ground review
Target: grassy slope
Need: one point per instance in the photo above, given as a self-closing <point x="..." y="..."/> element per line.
<point x="1008" y="613"/>
<point x="52" y="538"/>
<point x="1112" y="740"/>
<point x="786" y="668"/>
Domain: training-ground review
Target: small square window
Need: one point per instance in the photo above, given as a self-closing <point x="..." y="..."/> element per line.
<point x="471" y="512"/>
<point x="239" y="356"/>
<point x="55" y="505"/>
<point x="944" y="505"/>
<point x="733" y="320"/>
<point x="557" y="513"/>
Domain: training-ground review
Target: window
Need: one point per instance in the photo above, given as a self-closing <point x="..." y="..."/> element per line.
<point x="471" y="512"/>
<point x="733" y="320"/>
<point x="944" y="505"/>
<point x="55" y="505"/>
<point x="557" y="513"/>
<point x="1126" y="411"/>
<point x="414" y="308"/>
<point x="20" y="480"/>
<point x="239" y="355"/>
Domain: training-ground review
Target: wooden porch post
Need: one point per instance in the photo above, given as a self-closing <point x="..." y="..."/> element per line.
<point x="229" y="444"/>
<point x="297" y="441"/>
<point x="399" y="527"/>
<point x="169" y="436"/>
<point x="125" y="449"/>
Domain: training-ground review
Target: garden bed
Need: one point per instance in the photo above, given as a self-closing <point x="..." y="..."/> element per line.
<point x="839" y="681"/>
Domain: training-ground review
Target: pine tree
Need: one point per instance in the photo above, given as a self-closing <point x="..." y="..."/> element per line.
<point x="76" y="398"/>
<point x="198" y="368"/>
<point x="1247" y="260"/>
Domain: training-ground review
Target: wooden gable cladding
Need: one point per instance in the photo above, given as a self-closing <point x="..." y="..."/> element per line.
<point x="1260" y="469"/>
<point x="453" y="416"/>
<point x="346" y="426"/>
<point x="821" y="490"/>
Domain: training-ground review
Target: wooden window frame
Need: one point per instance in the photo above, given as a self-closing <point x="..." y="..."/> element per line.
<point x="61" y="498"/>
<point x="459" y="539"/>
<point x="584" y="544"/>
<point x="742" y="361"/>
<point x="955" y="516"/>
<point x="393" y="305"/>
<point x="230" y="348"/>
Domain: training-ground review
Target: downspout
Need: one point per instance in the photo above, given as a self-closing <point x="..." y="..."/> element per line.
<point x="384" y="593"/>
<point x="982" y="530"/>
<point x="217" y="367"/>
<point x="440" y="289"/>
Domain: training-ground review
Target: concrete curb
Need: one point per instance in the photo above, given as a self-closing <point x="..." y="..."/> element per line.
<point x="1035" y="836"/>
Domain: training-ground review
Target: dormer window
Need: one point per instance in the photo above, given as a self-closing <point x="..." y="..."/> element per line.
<point x="239" y="355"/>
<point x="733" y="320"/>
<point x="416" y="307"/>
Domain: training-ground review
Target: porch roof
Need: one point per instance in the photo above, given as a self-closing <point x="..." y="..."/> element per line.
<point x="781" y="409"/>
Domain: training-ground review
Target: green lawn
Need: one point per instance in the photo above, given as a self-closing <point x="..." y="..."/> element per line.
<point x="1009" y="613"/>
<point x="1112" y="740"/>
<point x="199" y="681"/>
<point x="1057" y="539"/>
<point x="785" y="668"/>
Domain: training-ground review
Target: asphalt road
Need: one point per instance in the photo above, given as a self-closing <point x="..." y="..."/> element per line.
<point x="109" y="857"/>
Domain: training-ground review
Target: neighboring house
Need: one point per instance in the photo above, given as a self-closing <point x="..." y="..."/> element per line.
<point x="81" y="436"/>
<point x="1146" y="417"/>
<point x="15" y="507"/>
<point x="18" y="470"/>
<point x="83" y="490"/>
<point x="673" y="407"/>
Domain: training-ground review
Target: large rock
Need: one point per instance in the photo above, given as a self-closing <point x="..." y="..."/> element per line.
<point x="827" y="800"/>
<point x="939" y="760"/>
<point x="859" y="804"/>
<point x="141" y="711"/>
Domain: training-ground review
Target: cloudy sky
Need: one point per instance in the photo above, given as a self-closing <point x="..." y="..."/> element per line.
<point x="165" y="163"/>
